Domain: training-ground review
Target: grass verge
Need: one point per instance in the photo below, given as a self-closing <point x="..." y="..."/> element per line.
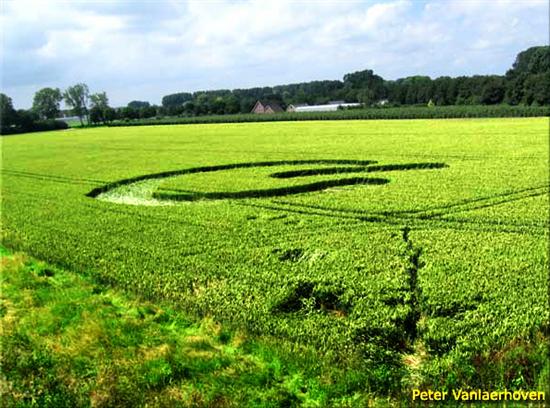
<point x="69" y="342"/>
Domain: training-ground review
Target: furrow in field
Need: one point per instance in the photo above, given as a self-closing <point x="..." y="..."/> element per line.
<point x="50" y="177"/>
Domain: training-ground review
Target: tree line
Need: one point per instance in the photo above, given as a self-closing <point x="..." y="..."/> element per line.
<point x="527" y="82"/>
<point x="46" y="112"/>
<point x="46" y="109"/>
<point x="22" y="121"/>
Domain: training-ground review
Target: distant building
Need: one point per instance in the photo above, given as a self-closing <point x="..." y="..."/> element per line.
<point x="68" y="119"/>
<point x="267" y="107"/>
<point x="292" y="107"/>
<point x="321" y="108"/>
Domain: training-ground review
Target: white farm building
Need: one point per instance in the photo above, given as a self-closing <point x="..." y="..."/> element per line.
<point x="320" y="108"/>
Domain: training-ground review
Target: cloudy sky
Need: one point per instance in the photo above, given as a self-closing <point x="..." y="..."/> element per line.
<point x="146" y="49"/>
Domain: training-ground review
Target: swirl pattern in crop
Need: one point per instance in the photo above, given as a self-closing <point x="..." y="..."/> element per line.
<point x="150" y="189"/>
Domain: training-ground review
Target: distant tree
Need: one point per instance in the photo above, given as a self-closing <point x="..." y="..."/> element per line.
<point x="525" y="81"/>
<point x="77" y="97"/>
<point x="396" y="91"/>
<point x="441" y="91"/>
<point x="275" y="98"/>
<point x="202" y="104"/>
<point x="8" y="115"/>
<point x="300" y="96"/>
<point x="452" y="92"/>
<point x="534" y="60"/>
<point x="110" y="114"/>
<point x="138" y="104"/>
<point x="246" y="105"/>
<point x="177" y="99"/>
<point x="466" y="91"/>
<point x="217" y="106"/>
<point x="25" y="120"/>
<point x="232" y="104"/>
<point x="100" y="105"/>
<point x="99" y="99"/>
<point x="366" y="96"/>
<point x="514" y="88"/>
<point x="371" y="85"/>
<point x="46" y="103"/>
<point x="537" y="89"/>
<point x="411" y="90"/>
<point x="493" y="91"/>
<point x="147" y="112"/>
<point x="128" y="113"/>
<point x="95" y="115"/>
<point x="189" y="108"/>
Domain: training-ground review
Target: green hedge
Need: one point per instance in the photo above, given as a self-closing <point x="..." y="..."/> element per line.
<point x="411" y="112"/>
<point x="37" y="126"/>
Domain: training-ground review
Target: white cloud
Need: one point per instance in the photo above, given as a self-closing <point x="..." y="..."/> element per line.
<point x="145" y="49"/>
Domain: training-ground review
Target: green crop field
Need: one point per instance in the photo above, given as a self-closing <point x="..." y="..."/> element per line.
<point x="413" y="253"/>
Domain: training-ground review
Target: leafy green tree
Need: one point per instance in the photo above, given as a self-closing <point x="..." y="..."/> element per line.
<point x="96" y="115"/>
<point x="525" y="81"/>
<point x="46" y="103"/>
<point x="232" y="104"/>
<point x="77" y="97"/>
<point x="100" y="100"/>
<point x="202" y="105"/>
<point x="366" y="96"/>
<point x="493" y="91"/>
<point x="25" y="120"/>
<point x="176" y="100"/>
<point x="8" y="115"/>
<point x="147" y="111"/>
<point x="138" y="104"/>
<point x="99" y="107"/>
<point x="442" y="91"/>
<point x="534" y="60"/>
<point x="128" y="113"/>
<point x="218" y="106"/>
<point x="537" y="89"/>
<point x="514" y="88"/>
<point x="368" y="86"/>
<point x="189" y="107"/>
<point x="110" y="114"/>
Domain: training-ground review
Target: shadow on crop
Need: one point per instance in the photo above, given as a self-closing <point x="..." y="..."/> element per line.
<point x="272" y="192"/>
<point x="357" y="169"/>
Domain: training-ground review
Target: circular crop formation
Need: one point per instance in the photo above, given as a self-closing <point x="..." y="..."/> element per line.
<point x="249" y="180"/>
